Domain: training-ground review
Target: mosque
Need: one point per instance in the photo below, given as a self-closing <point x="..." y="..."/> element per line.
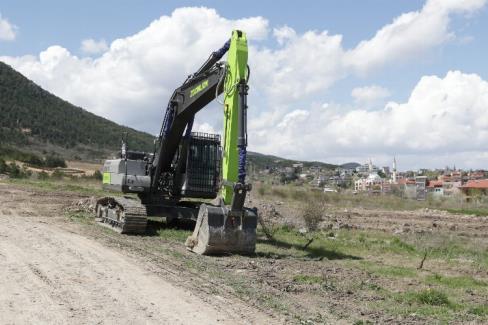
<point x="373" y="182"/>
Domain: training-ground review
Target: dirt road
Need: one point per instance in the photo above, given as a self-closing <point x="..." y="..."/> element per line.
<point x="51" y="275"/>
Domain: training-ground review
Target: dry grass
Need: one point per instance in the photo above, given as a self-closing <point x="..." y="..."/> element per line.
<point x="304" y="195"/>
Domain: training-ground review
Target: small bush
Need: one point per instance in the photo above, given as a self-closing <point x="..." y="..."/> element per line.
<point x="432" y="297"/>
<point x="15" y="171"/>
<point x="53" y="162"/>
<point x="57" y="174"/>
<point x="43" y="175"/>
<point x="97" y="175"/>
<point x="33" y="160"/>
<point x="3" y="166"/>
<point x="312" y="214"/>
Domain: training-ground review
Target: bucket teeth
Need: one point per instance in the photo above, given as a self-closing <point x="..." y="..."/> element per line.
<point x="219" y="232"/>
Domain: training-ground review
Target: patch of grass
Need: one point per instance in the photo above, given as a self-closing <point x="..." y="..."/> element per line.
<point x="174" y="234"/>
<point x="280" y="193"/>
<point x="388" y="270"/>
<point x="299" y="195"/>
<point x="455" y="281"/>
<point x="370" y="286"/>
<point x="324" y="282"/>
<point x="481" y="310"/>
<point x="173" y="231"/>
<point x="481" y="212"/>
<point x="81" y="217"/>
<point x="362" y="322"/>
<point x="288" y="242"/>
<point x="398" y="244"/>
<point x="431" y="297"/>
<point x="366" y="242"/>
<point x="307" y="279"/>
<point x="271" y="301"/>
<point x="430" y="303"/>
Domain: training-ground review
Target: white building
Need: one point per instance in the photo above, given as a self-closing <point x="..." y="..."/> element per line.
<point x="372" y="183"/>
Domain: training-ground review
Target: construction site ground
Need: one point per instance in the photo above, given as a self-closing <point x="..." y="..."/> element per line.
<point x="360" y="266"/>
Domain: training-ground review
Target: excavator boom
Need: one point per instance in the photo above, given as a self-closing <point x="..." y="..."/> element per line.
<point x="235" y="138"/>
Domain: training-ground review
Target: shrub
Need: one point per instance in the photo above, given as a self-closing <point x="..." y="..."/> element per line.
<point x="43" y="175"/>
<point x="312" y="214"/>
<point x="53" y="162"/>
<point x="33" y="160"/>
<point x="14" y="171"/>
<point x="3" y="166"/>
<point x="57" y="174"/>
<point x="98" y="175"/>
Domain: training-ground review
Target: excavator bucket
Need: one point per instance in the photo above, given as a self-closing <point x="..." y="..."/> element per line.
<point x="218" y="232"/>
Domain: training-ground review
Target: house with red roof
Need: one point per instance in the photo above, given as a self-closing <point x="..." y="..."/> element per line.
<point x="475" y="185"/>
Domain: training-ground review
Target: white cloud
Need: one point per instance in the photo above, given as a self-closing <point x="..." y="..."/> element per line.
<point x="91" y="46"/>
<point x="284" y="34"/>
<point x="204" y="127"/>
<point x="409" y="34"/>
<point x="7" y="30"/>
<point x="443" y="116"/>
<point x="304" y="64"/>
<point x="369" y="94"/>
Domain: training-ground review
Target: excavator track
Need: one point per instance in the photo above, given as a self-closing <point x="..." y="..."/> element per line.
<point x="122" y="214"/>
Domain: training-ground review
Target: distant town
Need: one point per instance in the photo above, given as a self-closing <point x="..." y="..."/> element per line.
<point x="370" y="179"/>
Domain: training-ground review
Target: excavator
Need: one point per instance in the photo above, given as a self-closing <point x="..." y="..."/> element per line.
<point x="191" y="175"/>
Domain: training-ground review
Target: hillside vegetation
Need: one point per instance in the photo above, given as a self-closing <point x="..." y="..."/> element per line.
<point x="262" y="161"/>
<point x="30" y="114"/>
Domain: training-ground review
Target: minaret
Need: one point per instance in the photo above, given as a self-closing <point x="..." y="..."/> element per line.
<point x="394" y="175"/>
<point x="370" y="166"/>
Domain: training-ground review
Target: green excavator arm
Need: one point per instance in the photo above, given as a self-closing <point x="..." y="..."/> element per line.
<point x="236" y="73"/>
<point x="230" y="227"/>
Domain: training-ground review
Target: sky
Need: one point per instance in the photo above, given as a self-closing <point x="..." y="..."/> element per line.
<point x="334" y="81"/>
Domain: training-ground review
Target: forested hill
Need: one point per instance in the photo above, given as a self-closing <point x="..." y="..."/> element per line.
<point x="262" y="161"/>
<point x="30" y="114"/>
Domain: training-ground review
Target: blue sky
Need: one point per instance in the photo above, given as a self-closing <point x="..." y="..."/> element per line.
<point x="457" y="42"/>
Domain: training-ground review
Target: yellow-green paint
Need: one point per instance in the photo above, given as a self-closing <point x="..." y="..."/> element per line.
<point x="237" y="70"/>
<point x="106" y="178"/>
<point x="199" y="88"/>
